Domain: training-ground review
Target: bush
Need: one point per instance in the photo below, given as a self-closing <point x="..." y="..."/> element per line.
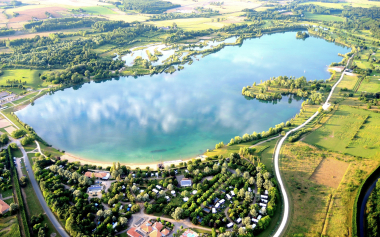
<point x="27" y="140"/>
<point x="18" y="133"/>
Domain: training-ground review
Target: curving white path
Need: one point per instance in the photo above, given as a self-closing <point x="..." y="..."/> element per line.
<point x="285" y="217"/>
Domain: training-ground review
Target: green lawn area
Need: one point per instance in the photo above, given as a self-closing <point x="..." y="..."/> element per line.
<point x="9" y="201"/>
<point x="103" y="48"/>
<point x="30" y="76"/>
<point x="191" y="23"/>
<point x="46" y="150"/>
<point x="17" y="152"/>
<point x="370" y="84"/>
<point x="98" y="10"/>
<point x="362" y="64"/>
<point x="26" y="98"/>
<point x="30" y="147"/>
<point x="345" y="123"/>
<point x="321" y="17"/>
<point x="11" y="227"/>
<point x="267" y="154"/>
<point x="7" y="193"/>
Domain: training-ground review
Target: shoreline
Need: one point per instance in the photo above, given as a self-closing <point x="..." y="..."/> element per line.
<point x="153" y="165"/>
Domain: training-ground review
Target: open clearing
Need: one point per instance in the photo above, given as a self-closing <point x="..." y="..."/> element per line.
<point x="329" y="172"/>
<point x="370" y="84"/>
<point x="98" y="10"/>
<point x="31" y="77"/>
<point x="10" y="129"/>
<point x="28" y="12"/>
<point x="349" y="130"/>
<point x="319" y="209"/>
<point x="4" y="123"/>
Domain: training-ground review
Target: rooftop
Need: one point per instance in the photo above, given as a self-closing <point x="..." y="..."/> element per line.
<point x="133" y="233"/>
<point x="155" y="233"/>
<point x="4" y="207"/>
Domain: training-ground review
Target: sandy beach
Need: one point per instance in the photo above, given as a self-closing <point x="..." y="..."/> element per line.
<point x="153" y="166"/>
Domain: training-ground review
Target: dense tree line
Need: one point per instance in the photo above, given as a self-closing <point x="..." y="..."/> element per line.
<point x="373" y="212"/>
<point x="171" y="16"/>
<point x="59" y="24"/>
<point x="148" y="6"/>
<point x="6" y="31"/>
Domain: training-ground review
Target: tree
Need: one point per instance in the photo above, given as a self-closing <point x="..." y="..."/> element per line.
<point x="251" y="181"/>
<point x="248" y="196"/>
<point x="253" y="212"/>
<point x="241" y="193"/>
<point x="207" y="170"/>
<point x="77" y="193"/>
<point x="238" y="172"/>
<point x="170" y="187"/>
<point x="241" y="231"/>
<point x="134" y="188"/>
<point x="246" y="221"/>
<point x="23" y="181"/>
<point x="13" y="207"/>
<point x="177" y="214"/>
<point x="123" y="221"/>
<point x="100" y="213"/>
<point x="213" y="232"/>
<point x="264" y="222"/>
<point x="246" y="175"/>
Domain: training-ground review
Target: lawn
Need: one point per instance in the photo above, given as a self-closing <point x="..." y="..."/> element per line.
<point x="191" y="23"/>
<point x="370" y="84"/>
<point x="321" y="17"/>
<point x="103" y="48"/>
<point x="30" y="76"/>
<point x="9" y="201"/>
<point x="17" y="152"/>
<point x="9" y="227"/>
<point x="326" y="4"/>
<point x="50" y="150"/>
<point x="349" y="131"/>
<point x="7" y="193"/>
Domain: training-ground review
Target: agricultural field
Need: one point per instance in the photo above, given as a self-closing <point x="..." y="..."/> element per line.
<point x="350" y="131"/>
<point x="323" y="187"/>
<point x="326" y="4"/>
<point x="98" y="10"/>
<point x="347" y="82"/>
<point x="370" y="84"/>
<point x="9" y="227"/>
<point x="321" y="17"/>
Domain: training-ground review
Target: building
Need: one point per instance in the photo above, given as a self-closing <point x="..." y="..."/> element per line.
<point x="155" y="233"/>
<point x="94" y="189"/>
<point x="158" y="226"/>
<point x="98" y="175"/>
<point x="185" y="182"/>
<point x="165" y="232"/>
<point x="4" y="207"/>
<point x="133" y="233"/>
<point x="147" y="227"/>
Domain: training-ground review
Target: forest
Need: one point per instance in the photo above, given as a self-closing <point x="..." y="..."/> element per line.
<point x="373" y="212"/>
<point x="147" y="6"/>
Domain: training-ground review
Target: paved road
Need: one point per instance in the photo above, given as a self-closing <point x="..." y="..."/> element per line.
<point x="40" y="197"/>
<point x="285" y="218"/>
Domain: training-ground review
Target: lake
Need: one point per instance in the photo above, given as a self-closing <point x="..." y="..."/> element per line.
<point x="179" y="115"/>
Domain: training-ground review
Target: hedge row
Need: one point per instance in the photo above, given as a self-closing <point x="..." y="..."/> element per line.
<point x="19" y="196"/>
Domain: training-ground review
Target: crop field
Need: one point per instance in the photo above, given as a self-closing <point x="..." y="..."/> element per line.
<point x="26" y="13"/>
<point x="9" y="227"/>
<point x="321" y="17"/>
<point x="329" y="172"/>
<point x="228" y="5"/>
<point x="349" y="130"/>
<point x="370" y="84"/>
<point x="347" y="82"/>
<point x="30" y="76"/>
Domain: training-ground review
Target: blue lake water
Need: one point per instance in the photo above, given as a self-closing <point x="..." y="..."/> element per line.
<point x="179" y="115"/>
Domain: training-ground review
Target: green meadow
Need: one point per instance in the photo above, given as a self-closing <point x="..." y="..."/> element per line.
<point x="349" y="130"/>
<point x="321" y="17"/>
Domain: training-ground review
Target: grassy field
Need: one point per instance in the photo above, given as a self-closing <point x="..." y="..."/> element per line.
<point x="323" y="187"/>
<point x="98" y="10"/>
<point x="51" y="150"/>
<point x="350" y="130"/>
<point x="9" y="227"/>
<point x="103" y="48"/>
<point x="321" y="17"/>
<point x="370" y="84"/>
<point x="347" y="82"/>
<point x="30" y="76"/>
<point x="191" y="23"/>
<point x="267" y="154"/>
<point x="17" y="152"/>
